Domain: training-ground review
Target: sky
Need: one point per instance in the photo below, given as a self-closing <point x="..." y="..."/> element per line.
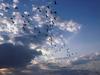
<point x="28" y="25"/>
<point x="87" y="13"/>
<point x="48" y="36"/>
<point x="76" y="26"/>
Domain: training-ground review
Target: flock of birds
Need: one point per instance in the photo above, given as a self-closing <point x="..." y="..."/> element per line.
<point x="50" y="27"/>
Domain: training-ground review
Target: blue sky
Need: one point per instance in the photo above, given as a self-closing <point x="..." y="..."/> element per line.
<point x="84" y="12"/>
<point x="87" y="13"/>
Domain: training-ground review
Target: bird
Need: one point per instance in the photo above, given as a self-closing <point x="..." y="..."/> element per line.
<point x="48" y="7"/>
<point x="39" y="9"/>
<point x="13" y="22"/>
<point x="46" y="16"/>
<point x="16" y="7"/>
<point x="55" y="2"/>
<point x="54" y="18"/>
<point x="24" y="24"/>
<point x="23" y="28"/>
<point x="72" y="53"/>
<point x="39" y="31"/>
<point x="6" y="7"/>
<point x="22" y="15"/>
<point x="46" y="11"/>
<point x="28" y="15"/>
<point x="11" y="18"/>
<point x="52" y="22"/>
<point x="28" y="21"/>
<point x="55" y="12"/>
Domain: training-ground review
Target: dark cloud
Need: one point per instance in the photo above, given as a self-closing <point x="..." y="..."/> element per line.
<point x="16" y="55"/>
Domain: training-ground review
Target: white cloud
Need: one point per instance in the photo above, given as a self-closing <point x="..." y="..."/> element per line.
<point x="72" y="26"/>
<point x="37" y="18"/>
<point x="26" y="13"/>
<point x="69" y="26"/>
<point x="16" y="1"/>
<point x="1" y="14"/>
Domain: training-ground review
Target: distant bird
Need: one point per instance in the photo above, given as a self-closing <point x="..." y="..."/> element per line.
<point x="52" y="22"/>
<point x="39" y="9"/>
<point x="55" y="12"/>
<point x="24" y="24"/>
<point x="47" y="29"/>
<point x="6" y="7"/>
<point x="28" y="21"/>
<point x="39" y="31"/>
<point x="46" y="16"/>
<point x="46" y="11"/>
<point x="35" y="28"/>
<point x="13" y="22"/>
<point x="55" y="45"/>
<point x="48" y="7"/>
<point x="11" y="18"/>
<point x="72" y="53"/>
<point x="54" y="18"/>
<point x="22" y="15"/>
<point x="16" y="8"/>
<point x="51" y="26"/>
<point x="23" y="28"/>
<point x="28" y="15"/>
<point x="55" y="2"/>
<point x="51" y="40"/>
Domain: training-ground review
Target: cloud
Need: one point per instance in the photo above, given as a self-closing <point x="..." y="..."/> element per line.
<point x="86" y="59"/>
<point x="72" y="26"/>
<point x="16" y="1"/>
<point x="16" y="55"/>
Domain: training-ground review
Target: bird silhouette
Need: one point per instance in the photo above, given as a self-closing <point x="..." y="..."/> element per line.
<point x="55" y="2"/>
